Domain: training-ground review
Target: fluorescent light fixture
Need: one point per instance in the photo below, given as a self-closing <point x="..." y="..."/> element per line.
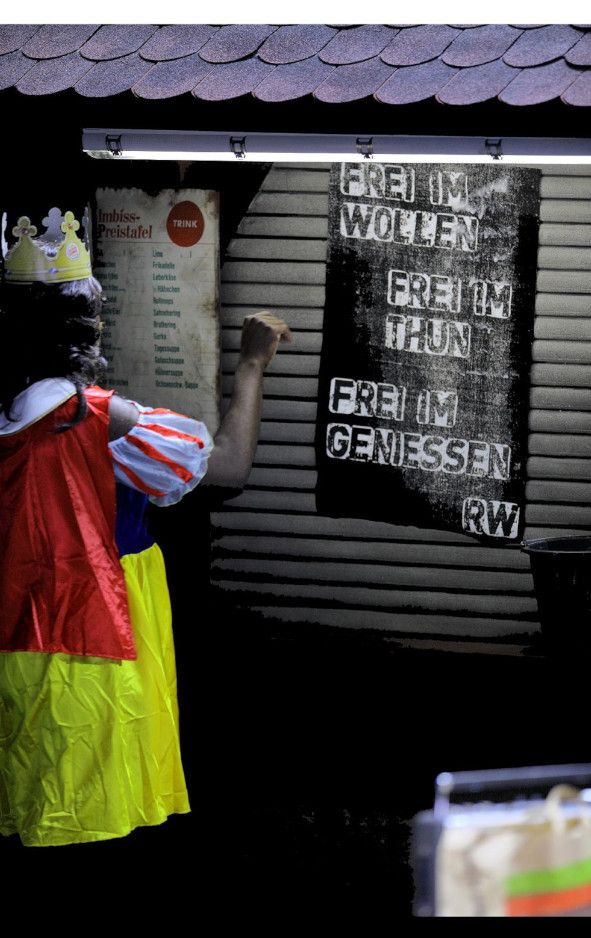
<point x="331" y="148"/>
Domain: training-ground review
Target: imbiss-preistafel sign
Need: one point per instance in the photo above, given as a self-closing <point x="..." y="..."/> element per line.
<point x="424" y="375"/>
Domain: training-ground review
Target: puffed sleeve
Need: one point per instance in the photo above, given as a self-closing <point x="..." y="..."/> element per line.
<point x="164" y="455"/>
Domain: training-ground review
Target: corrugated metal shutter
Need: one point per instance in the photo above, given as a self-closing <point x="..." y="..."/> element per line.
<point x="275" y="554"/>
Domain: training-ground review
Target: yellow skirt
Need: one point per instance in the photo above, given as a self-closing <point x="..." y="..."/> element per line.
<point x="89" y="747"/>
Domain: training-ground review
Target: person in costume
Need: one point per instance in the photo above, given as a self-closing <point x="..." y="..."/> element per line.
<point x="89" y="737"/>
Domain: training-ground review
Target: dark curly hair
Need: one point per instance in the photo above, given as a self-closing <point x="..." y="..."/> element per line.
<point x="49" y="331"/>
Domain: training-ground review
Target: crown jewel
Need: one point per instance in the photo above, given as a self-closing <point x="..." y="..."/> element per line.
<point x="56" y="256"/>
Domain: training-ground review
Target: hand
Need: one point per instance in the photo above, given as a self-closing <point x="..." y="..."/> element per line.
<point x="261" y="335"/>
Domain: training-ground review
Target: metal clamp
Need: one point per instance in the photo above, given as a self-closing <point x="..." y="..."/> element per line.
<point x="365" y="146"/>
<point x="238" y="147"/>
<point x="494" y="148"/>
<point x="113" y="145"/>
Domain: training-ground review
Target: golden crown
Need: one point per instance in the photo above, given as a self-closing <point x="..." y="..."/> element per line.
<point x="56" y="256"/>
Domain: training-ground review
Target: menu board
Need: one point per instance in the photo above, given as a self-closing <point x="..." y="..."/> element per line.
<point x="157" y="257"/>
<point x="424" y="376"/>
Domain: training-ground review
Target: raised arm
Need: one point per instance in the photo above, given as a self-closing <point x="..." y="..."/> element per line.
<point x="235" y="442"/>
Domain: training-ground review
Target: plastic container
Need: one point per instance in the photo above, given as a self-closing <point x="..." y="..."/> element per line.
<point x="561" y="568"/>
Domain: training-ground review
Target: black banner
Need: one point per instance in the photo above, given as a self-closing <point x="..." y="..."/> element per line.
<point x="424" y="376"/>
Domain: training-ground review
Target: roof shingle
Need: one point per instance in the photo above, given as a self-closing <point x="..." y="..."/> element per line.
<point x="108" y="78"/>
<point x="580" y="54"/>
<point x="352" y="82"/>
<point x="295" y="43"/>
<point x="541" y="45"/>
<point x="287" y="82"/>
<point x="13" y="66"/>
<point x="415" y="83"/>
<point x="111" y="42"/>
<point x="357" y="44"/>
<point x="167" y="79"/>
<point x="13" y="38"/>
<point x="418" y="44"/>
<point x="51" y="75"/>
<point x="542" y="83"/>
<point x="479" y="83"/>
<point x="579" y="93"/>
<point x="50" y="41"/>
<point x="232" y="80"/>
<point x="232" y="43"/>
<point x="173" y="42"/>
<point x="480" y="45"/>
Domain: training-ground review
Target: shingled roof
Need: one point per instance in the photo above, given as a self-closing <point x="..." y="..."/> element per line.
<point x="394" y="64"/>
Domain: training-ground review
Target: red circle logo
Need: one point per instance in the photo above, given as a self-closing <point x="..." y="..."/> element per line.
<point x="185" y="224"/>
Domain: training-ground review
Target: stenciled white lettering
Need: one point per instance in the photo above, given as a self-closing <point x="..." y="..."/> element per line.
<point x="405" y="226"/>
<point x="366" y="399"/>
<point x="427" y="336"/>
<point x="378" y="181"/>
<point x="424" y="291"/>
<point x="490" y="518"/>
<point x="429" y="453"/>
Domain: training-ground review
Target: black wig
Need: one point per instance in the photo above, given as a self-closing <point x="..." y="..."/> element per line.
<point x="49" y="331"/>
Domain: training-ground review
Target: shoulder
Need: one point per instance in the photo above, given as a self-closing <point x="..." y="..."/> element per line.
<point x="123" y="416"/>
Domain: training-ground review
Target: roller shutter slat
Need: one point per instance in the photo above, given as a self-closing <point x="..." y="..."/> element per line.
<point x="271" y="501"/>
<point x="351" y="527"/>
<point x="541" y="467"/>
<point x="561" y="376"/>
<point x="282" y="478"/>
<point x="280" y="387"/>
<point x="272" y="294"/>
<point x="396" y="600"/>
<point x="421" y="623"/>
<point x="575" y="329"/>
<point x="565" y="234"/>
<point x="277" y="432"/>
<point x="285" y="455"/>
<point x="377" y="574"/>
<point x="297" y="180"/>
<point x="273" y="272"/>
<point x="390" y="551"/>
<point x="276" y="249"/>
<point x="562" y="304"/>
<point x="564" y="281"/>
<point x="565" y="187"/>
<point x="296" y="203"/>
<point x="559" y="258"/>
<point x="550" y="421"/>
<point x="566" y="211"/>
<point x="284" y="226"/>
<point x="562" y="352"/>
<point x="579" y="515"/>
<point x="558" y="444"/>
<point x="556" y="491"/>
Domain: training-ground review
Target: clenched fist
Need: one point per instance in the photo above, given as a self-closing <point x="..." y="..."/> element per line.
<point x="261" y="334"/>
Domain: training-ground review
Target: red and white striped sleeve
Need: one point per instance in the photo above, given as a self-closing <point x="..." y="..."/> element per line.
<point x="164" y="455"/>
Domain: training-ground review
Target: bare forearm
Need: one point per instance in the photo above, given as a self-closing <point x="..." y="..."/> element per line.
<point x="235" y="442"/>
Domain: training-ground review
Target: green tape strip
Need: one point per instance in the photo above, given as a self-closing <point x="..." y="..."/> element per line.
<point x="563" y="877"/>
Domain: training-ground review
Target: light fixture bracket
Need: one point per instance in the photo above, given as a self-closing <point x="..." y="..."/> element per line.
<point x="113" y="144"/>
<point x="365" y="146"/>
<point x="238" y="147"/>
<point x="494" y="148"/>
